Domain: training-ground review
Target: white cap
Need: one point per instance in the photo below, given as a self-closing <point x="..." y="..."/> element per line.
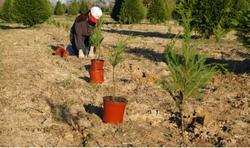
<point x="96" y="12"/>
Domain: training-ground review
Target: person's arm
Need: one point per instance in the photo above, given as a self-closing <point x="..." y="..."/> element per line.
<point x="79" y="39"/>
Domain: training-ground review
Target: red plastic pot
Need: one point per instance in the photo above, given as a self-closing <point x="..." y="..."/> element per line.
<point x="65" y="53"/>
<point x="96" y="76"/>
<point x="113" y="112"/>
<point x="97" y="64"/>
<point x="59" y="51"/>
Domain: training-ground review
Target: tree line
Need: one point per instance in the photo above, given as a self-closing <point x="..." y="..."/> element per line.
<point x="208" y="18"/>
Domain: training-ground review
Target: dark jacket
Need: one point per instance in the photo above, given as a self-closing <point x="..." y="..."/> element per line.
<point x="81" y="31"/>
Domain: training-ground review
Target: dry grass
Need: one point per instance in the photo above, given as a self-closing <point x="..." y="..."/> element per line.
<point x="32" y="76"/>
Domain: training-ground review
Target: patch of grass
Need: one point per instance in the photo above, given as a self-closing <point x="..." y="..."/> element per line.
<point x="67" y="83"/>
<point x="95" y="87"/>
<point x="61" y="113"/>
<point x="59" y="24"/>
<point x="64" y="18"/>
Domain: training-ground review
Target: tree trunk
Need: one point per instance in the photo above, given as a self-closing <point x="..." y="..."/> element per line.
<point x="182" y="126"/>
<point x="114" y="82"/>
<point x="183" y="141"/>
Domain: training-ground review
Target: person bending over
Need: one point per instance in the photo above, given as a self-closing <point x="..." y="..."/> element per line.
<point x="81" y="30"/>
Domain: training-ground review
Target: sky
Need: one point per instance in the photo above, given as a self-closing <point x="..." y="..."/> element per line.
<point x="101" y="3"/>
<point x="53" y="1"/>
<point x="71" y="0"/>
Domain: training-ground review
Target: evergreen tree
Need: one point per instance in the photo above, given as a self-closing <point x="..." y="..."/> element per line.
<point x="64" y="7"/>
<point x="189" y="73"/>
<point x="244" y="24"/>
<point x="32" y="12"/>
<point x="207" y="14"/>
<point x="7" y="11"/>
<point x="59" y="9"/>
<point x="116" y="10"/>
<point x="158" y="11"/>
<point x="73" y="8"/>
<point x="132" y="11"/>
<point x="84" y="6"/>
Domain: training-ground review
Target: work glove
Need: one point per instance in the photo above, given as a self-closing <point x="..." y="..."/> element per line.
<point x="80" y="54"/>
<point x="91" y="52"/>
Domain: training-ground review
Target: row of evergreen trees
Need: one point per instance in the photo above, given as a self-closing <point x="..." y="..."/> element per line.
<point x="74" y="8"/>
<point x="214" y="17"/>
<point x="32" y="12"/>
<point x="134" y="11"/>
<point x="207" y="17"/>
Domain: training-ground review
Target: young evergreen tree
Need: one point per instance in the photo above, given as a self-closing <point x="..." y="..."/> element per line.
<point x="32" y="12"/>
<point x="59" y="9"/>
<point x="64" y="7"/>
<point x="132" y="11"/>
<point x="7" y="11"/>
<point x="158" y="11"/>
<point x="73" y="8"/>
<point x="115" y="57"/>
<point x="84" y="6"/>
<point x="116" y="10"/>
<point x="189" y="73"/>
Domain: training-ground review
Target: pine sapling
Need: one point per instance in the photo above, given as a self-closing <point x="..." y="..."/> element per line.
<point x="116" y="57"/>
<point x="218" y="32"/>
<point x="189" y="72"/>
<point x="96" y="40"/>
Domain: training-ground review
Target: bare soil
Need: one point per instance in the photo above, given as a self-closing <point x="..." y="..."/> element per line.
<point x="46" y="100"/>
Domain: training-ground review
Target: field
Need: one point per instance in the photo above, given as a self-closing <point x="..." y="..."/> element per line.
<point x="46" y="100"/>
